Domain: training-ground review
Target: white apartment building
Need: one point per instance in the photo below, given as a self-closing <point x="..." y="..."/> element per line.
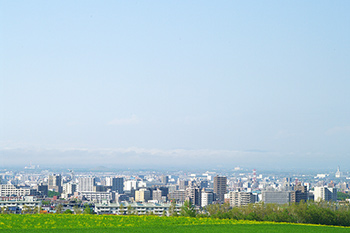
<point x="325" y="193"/>
<point x="138" y="208"/>
<point x="157" y="195"/>
<point x="130" y="184"/>
<point x="68" y="190"/>
<point x="241" y="198"/>
<point x="86" y="184"/>
<point x="16" y="206"/>
<point x="207" y="198"/>
<point x="7" y="190"/>
<point x="98" y="196"/>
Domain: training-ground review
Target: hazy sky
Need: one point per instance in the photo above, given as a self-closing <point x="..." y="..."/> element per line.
<point x="158" y="83"/>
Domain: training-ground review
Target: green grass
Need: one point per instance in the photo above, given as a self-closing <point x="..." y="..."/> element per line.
<point x="239" y="228"/>
<point x="108" y="224"/>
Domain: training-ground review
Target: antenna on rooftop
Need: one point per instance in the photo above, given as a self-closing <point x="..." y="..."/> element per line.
<point x="254" y="175"/>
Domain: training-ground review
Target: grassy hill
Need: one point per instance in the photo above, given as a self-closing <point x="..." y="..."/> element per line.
<point x="109" y="223"/>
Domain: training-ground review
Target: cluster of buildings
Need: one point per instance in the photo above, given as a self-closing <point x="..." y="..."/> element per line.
<point x="153" y="192"/>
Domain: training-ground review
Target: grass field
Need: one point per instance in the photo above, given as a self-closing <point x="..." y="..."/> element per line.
<point x="108" y="224"/>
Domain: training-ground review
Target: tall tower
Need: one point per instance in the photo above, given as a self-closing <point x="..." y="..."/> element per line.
<point x="338" y="173"/>
<point x="220" y="183"/>
<point x="254" y="175"/>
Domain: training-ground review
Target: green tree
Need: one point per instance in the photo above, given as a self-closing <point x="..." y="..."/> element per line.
<point x="68" y="211"/>
<point x="46" y="202"/>
<point x="87" y="209"/>
<point x="188" y="210"/>
<point x="27" y="210"/>
<point x="59" y="209"/>
<point x="37" y="209"/>
<point x="4" y="210"/>
<point x="77" y="209"/>
<point x="130" y="210"/>
<point x="323" y="212"/>
<point x="342" y="196"/>
<point x="121" y="209"/>
<point x="53" y="193"/>
<point x="172" y="209"/>
<point x="150" y="213"/>
<point x="214" y="210"/>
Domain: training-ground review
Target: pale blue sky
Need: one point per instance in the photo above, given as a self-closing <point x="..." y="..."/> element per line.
<point x="260" y="83"/>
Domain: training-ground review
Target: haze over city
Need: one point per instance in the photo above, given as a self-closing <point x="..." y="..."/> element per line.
<point x="175" y="84"/>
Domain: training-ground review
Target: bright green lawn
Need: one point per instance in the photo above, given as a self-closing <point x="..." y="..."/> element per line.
<point x="108" y="224"/>
<point x="196" y="228"/>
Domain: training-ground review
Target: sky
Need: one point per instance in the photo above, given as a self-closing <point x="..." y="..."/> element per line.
<point x="261" y="84"/>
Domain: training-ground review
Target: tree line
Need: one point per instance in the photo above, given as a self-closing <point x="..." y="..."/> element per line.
<point x="325" y="213"/>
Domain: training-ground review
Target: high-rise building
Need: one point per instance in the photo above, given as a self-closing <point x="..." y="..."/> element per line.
<point x="300" y="193"/>
<point x="142" y="195"/>
<point x="116" y="184"/>
<point x="108" y="181"/>
<point x="43" y="190"/>
<point x="326" y="194"/>
<point x="241" y="198"/>
<point x="194" y="195"/>
<point x="164" y="179"/>
<point x="130" y="185"/>
<point x="204" y="184"/>
<point x="68" y="190"/>
<point x="220" y="183"/>
<point x="177" y="195"/>
<point x="55" y="183"/>
<point x="278" y="197"/>
<point x="86" y="184"/>
<point x="343" y="186"/>
<point x="165" y="190"/>
<point x="183" y="184"/>
<point x="207" y="198"/>
<point x="157" y="195"/>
